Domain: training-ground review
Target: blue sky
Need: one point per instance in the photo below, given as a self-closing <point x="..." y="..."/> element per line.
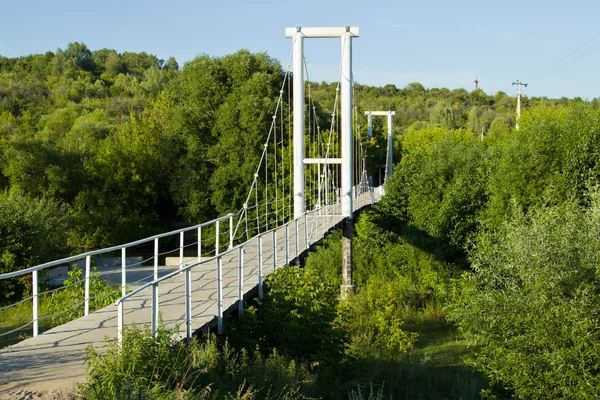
<point x="437" y="43"/>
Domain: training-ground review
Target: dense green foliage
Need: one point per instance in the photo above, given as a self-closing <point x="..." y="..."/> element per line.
<point x="300" y="341"/>
<point x="30" y="229"/>
<point x="102" y="148"/>
<point x="498" y="226"/>
<point x="521" y="207"/>
<point x="66" y="304"/>
<point x="532" y="303"/>
<point x="149" y="367"/>
<point x="127" y="145"/>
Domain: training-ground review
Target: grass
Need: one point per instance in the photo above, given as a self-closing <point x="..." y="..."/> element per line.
<point x="64" y="305"/>
<point x="435" y="367"/>
<point x="19" y="315"/>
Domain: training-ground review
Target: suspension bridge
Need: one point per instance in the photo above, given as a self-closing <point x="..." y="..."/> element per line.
<point x="192" y="277"/>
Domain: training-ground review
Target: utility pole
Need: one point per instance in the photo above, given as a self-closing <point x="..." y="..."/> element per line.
<point x="519" y="84"/>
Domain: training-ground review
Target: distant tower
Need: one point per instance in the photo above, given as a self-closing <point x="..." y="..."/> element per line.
<point x="476" y="83"/>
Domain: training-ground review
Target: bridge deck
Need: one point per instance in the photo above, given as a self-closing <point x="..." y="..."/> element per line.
<point x="56" y="359"/>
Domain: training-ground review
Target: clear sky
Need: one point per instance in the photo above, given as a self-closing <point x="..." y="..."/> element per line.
<point x="438" y="43"/>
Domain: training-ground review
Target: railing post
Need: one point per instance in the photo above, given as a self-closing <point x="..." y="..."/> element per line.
<point x="231" y="231"/>
<point x="219" y="295"/>
<point x="287" y="244"/>
<point x="241" y="282"/>
<point x="274" y="249"/>
<point x="199" y="243"/>
<point x="260" y="266"/>
<point x="188" y="303"/>
<point x="305" y="231"/>
<point x="181" y="246"/>
<point x="217" y="239"/>
<point x="155" y="291"/>
<point x="34" y="295"/>
<point x="296" y="235"/>
<point x="120" y="322"/>
<point x="123" y="271"/>
<point x="88" y="263"/>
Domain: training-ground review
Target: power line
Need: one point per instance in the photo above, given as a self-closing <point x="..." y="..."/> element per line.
<point x="568" y="59"/>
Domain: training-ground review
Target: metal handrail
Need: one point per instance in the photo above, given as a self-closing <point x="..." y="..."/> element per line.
<point x="292" y="251"/>
<point x="108" y="249"/>
<point x="119" y="303"/>
<point x="211" y="259"/>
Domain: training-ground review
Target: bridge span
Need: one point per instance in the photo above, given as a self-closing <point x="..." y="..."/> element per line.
<point x="192" y="297"/>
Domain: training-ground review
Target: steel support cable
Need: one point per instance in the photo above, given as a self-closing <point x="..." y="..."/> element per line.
<point x="315" y="126"/>
<point x="331" y="129"/>
<point x="273" y="122"/>
<point x="282" y="155"/>
<point x="17" y="303"/>
<point x="309" y="125"/>
<point x="267" y="178"/>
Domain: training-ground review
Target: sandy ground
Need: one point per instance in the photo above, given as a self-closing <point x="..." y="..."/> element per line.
<point x="57" y="394"/>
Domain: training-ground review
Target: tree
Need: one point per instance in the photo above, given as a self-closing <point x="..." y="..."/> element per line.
<point x="242" y="123"/>
<point x="75" y="57"/>
<point x="32" y="231"/>
<point x="124" y="195"/>
<point x="442" y="116"/>
<point x="171" y="65"/>
<point x="443" y="183"/>
<point x="531" y="304"/>
<point x="474" y="120"/>
<point x="500" y="126"/>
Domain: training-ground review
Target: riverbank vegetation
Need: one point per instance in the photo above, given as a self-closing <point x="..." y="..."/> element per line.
<point x="476" y="275"/>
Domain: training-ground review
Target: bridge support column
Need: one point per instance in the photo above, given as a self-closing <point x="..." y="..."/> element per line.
<point x="346" y="34"/>
<point x="298" y="123"/>
<point x="347" y="163"/>
<point x="347" y="286"/>
<point x="369" y="135"/>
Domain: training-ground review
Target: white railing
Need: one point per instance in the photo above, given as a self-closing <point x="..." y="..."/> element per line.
<point x="86" y="259"/>
<point x="312" y="226"/>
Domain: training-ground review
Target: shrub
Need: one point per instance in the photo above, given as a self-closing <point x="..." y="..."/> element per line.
<point x="68" y="304"/>
<point x="296" y="317"/>
<point x="372" y="320"/>
<point x="32" y="231"/>
<point x="161" y="367"/>
<point x="532" y="302"/>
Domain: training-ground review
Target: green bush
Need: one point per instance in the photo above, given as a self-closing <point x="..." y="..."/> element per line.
<point x="531" y="304"/>
<point x="372" y="320"/>
<point x="161" y="367"/>
<point x="553" y="155"/>
<point x="32" y="231"/>
<point x="296" y="317"/>
<point x="443" y="182"/>
<point x="68" y="304"/>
